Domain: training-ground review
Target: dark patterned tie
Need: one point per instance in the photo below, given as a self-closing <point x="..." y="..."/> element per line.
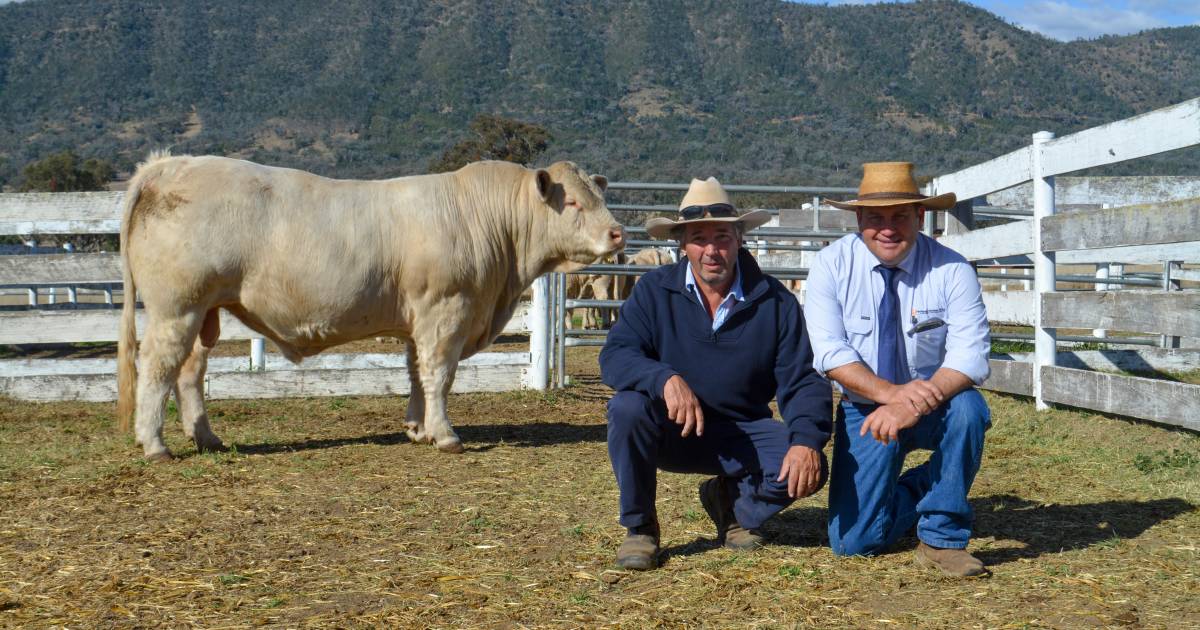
<point x="891" y="358"/>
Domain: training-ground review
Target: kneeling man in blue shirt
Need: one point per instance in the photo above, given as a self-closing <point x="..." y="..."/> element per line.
<point x="897" y="320"/>
<point x="700" y="349"/>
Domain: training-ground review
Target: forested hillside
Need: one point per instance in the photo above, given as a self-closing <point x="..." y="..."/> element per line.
<point x="749" y="90"/>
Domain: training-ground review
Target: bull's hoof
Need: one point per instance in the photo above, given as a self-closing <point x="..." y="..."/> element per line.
<point x="452" y="446"/>
<point x="211" y="445"/>
<point x="417" y="437"/>
<point x="162" y="457"/>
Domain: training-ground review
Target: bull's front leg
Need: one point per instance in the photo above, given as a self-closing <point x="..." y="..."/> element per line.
<point x="437" y="363"/>
<point x="414" y="417"/>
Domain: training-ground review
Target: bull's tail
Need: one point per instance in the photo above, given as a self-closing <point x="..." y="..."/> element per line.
<point x="127" y="336"/>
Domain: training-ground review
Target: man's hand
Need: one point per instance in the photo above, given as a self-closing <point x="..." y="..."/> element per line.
<point x="886" y="422"/>
<point x="682" y="406"/>
<point x="920" y="395"/>
<point x="802" y="469"/>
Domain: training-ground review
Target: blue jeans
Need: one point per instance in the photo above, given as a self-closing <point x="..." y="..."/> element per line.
<point x="643" y="440"/>
<point x="871" y="504"/>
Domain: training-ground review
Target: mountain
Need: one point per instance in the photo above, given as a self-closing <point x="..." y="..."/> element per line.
<point x="748" y="90"/>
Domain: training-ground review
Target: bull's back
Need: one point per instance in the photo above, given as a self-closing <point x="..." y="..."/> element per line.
<point x="300" y="253"/>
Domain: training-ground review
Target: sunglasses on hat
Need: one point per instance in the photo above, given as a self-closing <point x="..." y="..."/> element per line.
<point x="712" y="211"/>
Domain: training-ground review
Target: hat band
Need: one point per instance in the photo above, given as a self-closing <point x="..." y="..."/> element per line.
<point x="891" y="195"/>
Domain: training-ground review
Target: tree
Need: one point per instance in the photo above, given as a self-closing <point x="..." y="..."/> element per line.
<point x="496" y="138"/>
<point x="62" y="172"/>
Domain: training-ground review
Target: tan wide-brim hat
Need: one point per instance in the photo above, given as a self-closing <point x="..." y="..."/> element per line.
<point x="706" y="193"/>
<point x="891" y="184"/>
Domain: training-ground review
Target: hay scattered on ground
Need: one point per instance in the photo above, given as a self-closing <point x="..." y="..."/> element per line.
<point x="325" y="515"/>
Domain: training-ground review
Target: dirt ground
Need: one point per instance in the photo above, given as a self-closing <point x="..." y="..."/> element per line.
<point x="325" y="516"/>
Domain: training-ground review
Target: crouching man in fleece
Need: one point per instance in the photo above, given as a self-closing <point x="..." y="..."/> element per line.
<point x="897" y="320"/>
<point x="699" y="350"/>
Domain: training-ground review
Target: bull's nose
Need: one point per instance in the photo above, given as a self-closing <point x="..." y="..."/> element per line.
<point x="617" y="235"/>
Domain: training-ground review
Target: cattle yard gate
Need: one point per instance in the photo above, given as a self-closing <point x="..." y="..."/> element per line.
<point x="1140" y="241"/>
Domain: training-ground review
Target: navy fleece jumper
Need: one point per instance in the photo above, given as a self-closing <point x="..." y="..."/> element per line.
<point x="760" y="352"/>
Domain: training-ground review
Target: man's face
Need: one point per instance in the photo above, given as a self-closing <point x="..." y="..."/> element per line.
<point x="890" y="232"/>
<point x="712" y="250"/>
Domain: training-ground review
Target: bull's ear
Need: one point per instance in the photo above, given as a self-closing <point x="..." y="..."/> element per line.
<point x="545" y="185"/>
<point x="601" y="181"/>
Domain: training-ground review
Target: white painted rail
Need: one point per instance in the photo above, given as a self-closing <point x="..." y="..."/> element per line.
<point x="1158" y="232"/>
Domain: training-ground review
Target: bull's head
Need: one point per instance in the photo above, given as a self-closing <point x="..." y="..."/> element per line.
<point x="580" y="229"/>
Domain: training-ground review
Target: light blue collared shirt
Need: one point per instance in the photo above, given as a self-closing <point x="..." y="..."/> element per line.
<point x="734" y="296"/>
<point x="842" y="298"/>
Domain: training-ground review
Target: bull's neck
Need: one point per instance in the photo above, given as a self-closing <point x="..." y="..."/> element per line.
<point x="508" y="235"/>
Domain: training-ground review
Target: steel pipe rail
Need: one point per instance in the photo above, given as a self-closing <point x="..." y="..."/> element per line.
<point x="1129" y="341"/>
<point x="572" y="342"/>
<point x="775" y="232"/>
<point x="737" y="188"/>
<point x="790" y="273"/>
<point x="1141" y="282"/>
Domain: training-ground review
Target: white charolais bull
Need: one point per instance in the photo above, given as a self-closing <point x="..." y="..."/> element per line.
<point x="438" y="261"/>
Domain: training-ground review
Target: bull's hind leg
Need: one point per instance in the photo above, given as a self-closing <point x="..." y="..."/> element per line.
<point x="438" y="360"/>
<point x="167" y="343"/>
<point x="189" y="387"/>
<point x="414" y="417"/>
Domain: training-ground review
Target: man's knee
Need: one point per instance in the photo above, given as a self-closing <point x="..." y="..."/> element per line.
<point x="627" y="409"/>
<point x="968" y="412"/>
<point x="855" y="543"/>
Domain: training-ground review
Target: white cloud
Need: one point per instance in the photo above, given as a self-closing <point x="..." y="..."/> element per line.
<point x="1065" y="22"/>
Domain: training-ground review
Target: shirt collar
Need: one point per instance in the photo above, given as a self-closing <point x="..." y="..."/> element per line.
<point x="735" y="289"/>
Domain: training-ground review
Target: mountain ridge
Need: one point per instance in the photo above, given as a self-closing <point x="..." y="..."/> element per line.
<point x="747" y="90"/>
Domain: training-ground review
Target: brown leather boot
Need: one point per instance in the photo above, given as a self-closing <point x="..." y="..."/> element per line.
<point x="639" y="551"/>
<point x="951" y="562"/>
<point x="714" y="496"/>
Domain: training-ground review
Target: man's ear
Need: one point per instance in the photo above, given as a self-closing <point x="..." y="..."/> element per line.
<point x="858" y="216"/>
<point x="545" y="185"/>
<point x="601" y="181"/>
<point x="920" y="218"/>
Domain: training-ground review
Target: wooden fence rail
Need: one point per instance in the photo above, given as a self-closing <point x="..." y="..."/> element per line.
<point x="1149" y="228"/>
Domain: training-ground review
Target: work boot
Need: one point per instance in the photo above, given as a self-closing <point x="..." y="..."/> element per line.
<point x="951" y="562"/>
<point x="714" y="496"/>
<point x="639" y="551"/>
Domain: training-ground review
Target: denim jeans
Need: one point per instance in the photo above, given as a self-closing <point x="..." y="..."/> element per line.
<point x="871" y="504"/>
<point x="642" y="440"/>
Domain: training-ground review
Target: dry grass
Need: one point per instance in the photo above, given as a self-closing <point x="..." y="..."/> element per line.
<point x="326" y="516"/>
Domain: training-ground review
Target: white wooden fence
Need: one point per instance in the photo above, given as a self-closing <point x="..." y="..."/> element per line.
<point x="1132" y="233"/>
<point x="1105" y="234"/>
<point x="259" y="375"/>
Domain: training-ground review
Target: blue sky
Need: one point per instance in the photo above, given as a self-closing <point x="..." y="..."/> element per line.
<point x="1066" y="20"/>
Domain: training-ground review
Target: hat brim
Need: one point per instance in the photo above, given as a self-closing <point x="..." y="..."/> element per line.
<point x="660" y="227"/>
<point x="941" y="202"/>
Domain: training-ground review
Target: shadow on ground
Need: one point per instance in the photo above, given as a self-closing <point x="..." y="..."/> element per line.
<point x="477" y="438"/>
<point x="1043" y="529"/>
<point x="1056" y="528"/>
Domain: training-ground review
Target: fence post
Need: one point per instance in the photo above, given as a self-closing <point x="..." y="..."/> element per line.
<point x="538" y="320"/>
<point x="962" y="218"/>
<point x="258" y="354"/>
<point x="1043" y="266"/>
<point x="560" y="327"/>
<point x="1168" y="284"/>
<point x="1101" y="273"/>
